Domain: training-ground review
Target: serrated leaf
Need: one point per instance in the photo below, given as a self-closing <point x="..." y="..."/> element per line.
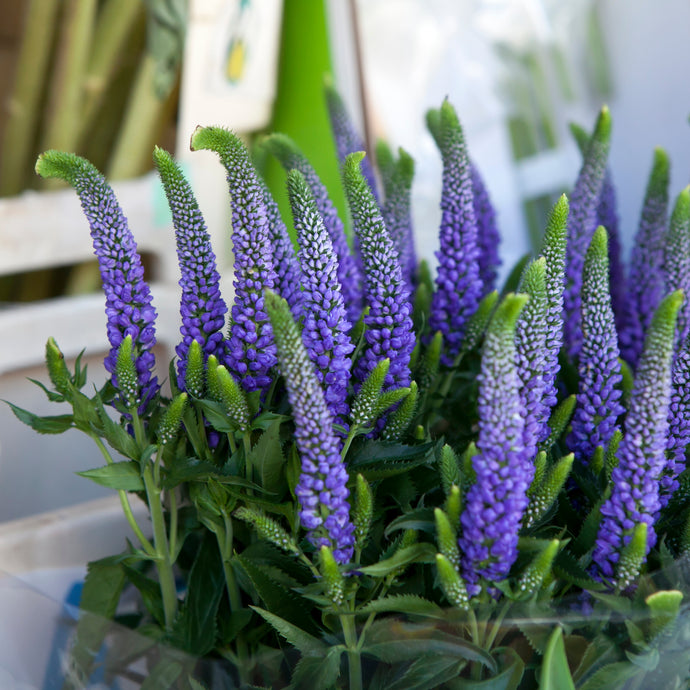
<point x="125" y="476"/>
<point x="195" y="625"/>
<point x="117" y="437"/>
<point x="323" y="672"/>
<point x="611" y="676"/>
<point x="217" y="416"/>
<point x="599" y="652"/>
<point x="374" y="452"/>
<point x="647" y="661"/>
<point x="508" y="678"/>
<point x="150" y="592"/>
<point x="555" y="673"/>
<point x="566" y="567"/>
<point x="427" y="672"/>
<point x="307" y="644"/>
<point x="403" y="603"/>
<point x="267" y="458"/>
<point x="417" y="553"/>
<point x="163" y="675"/>
<point x="421" y="519"/>
<point x="43" y="425"/>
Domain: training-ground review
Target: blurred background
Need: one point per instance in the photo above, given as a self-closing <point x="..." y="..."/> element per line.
<point x="108" y="79"/>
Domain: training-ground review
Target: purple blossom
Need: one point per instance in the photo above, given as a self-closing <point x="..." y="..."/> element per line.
<point x="349" y="269"/>
<point x="285" y="263"/>
<point x="388" y="324"/>
<point x="678" y="422"/>
<point x="598" y="399"/>
<point x="488" y="236"/>
<point x="326" y="328"/>
<point x="645" y="286"/>
<point x="554" y="252"/>
<point x="581" y="226"/>
<point x="128" y="300"/>
<point x="458" y="284"/>
<point x="347" y="139"/>
<point x="530" y="338"/>
<point x="201" y="305"/>
<point x="396" y="176"/>
<point x="641" y="454"/>
<point x="495" y="503"/>
<point x="322" y="487"/>
<point x="251" y="351"/>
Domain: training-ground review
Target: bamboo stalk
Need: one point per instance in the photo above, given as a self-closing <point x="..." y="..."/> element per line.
<point x="26" y="95"/>
<point x="115" y="23"/>
<point x="67" y="83"/>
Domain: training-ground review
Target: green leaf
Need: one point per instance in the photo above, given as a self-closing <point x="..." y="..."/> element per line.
<point x="43" y="425"/>
<point x="150" y="592"/>
<point x="267" y="457"/>
<point x="217" y="416"/>
<point x="125" y="476"/>
<point x="554" y="673"/>
<point x="428" y="671"/>
<point x="611" y="677"/>
<point x="276" y="598"/>
<point x="100" y="595"/>
<point x="647" y="661"/>
<point x="417" y="553"/>
<point x="566" y="567"/>
<point x="421" y="519"/>
<point x="307" y="644"/>
<point x="508" y="679"/>
<point x="374" y="452"/>
<point x="403" y="603"/>
<point x="312" y="672"/>
<point x="117" y="436"/>
<point x="195" y="625"/>
<point x="163" y="675"/>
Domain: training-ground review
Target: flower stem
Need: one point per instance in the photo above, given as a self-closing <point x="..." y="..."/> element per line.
<point x="163" y="561"/>
<point x="353" y="655"/>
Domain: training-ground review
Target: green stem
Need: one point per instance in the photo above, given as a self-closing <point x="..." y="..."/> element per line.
<point x="173" y="523"/>
<point x="491" y="637"/>
<point x="124" y="502"/>
<point x="248" y="468"/>
<point x="353" y="655"/>
<point x="348" y="441"/>
<point x="163" y="560"/>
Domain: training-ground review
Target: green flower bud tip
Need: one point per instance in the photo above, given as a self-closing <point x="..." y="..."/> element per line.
<point x="267" y="529"/>
<point x="559" y="421"/>
<point x="452" y="583"/>
<point x="194" y="376"/>
<point x="449" y="469"/>
<point x="126" y="373"/>
<point x="365" y="404"/>
<point x="632" y="557"/>
<point x="399" y="421"/>
<point x="543" y="499"/>
<point x="664" y="607"/>
<point x="478" y="321"/>
<point x="540" y="465"/>
<point x="454" y="505"/>
<point x="172" y="419"/>
<point x="447" y="538"/>
<point x="539" y="569"/>
<point x="363" y="511"/>
<point x="332" y="577"/>
<point x="233" y="397"/>
<point x="57" y="369"/>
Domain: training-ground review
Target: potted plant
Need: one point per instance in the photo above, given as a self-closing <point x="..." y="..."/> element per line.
<point x="375" y="479"/>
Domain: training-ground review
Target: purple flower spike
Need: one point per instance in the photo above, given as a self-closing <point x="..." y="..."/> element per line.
<point x="349" y="269"/>
<point x="322" y="487"/>
<point x="201" y="306"/>
<point x="530" y="339"/>
<point x="285" y="263"/>
<point x="251" y="351"/>
<point x="642" y="452"/>
<point x="646" y="279"/>
<point x="677" y="260"/>
<point x="396" y="176"/>
<point x="678" y="423"/>
<point x="495" y="503"/>
<point x="554" y="250"/>
<point x="326" y="328"/>
<point x="598" y="399"/>
<point x="388" y="324"/>
<point x="458" y="283"/>
<point x="581" y="226"/>
<point x="128" y="299"/>
<point x="347" y="139"/>
<point x="488" y="237"/>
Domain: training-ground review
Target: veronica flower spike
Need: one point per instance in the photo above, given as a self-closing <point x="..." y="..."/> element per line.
<point x="495" y="503"/>
<point x="554" y="251"/>
<point x="251" y="351"/>
<point x="488" y="236"/>
<point x="458" y="283"/>
<point x="642" y="452"/>
<point x="201" y="305"/>
<point x="326" y="328"/>
<point x="128" y="304"/>
<point x="322" y="487"/>
<point x="598" y="399"/>
<point x="646" y="278"/>
<point x="582" y="224"/>
<point x="389" y="332"/>
<point x="349" y="269"/>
